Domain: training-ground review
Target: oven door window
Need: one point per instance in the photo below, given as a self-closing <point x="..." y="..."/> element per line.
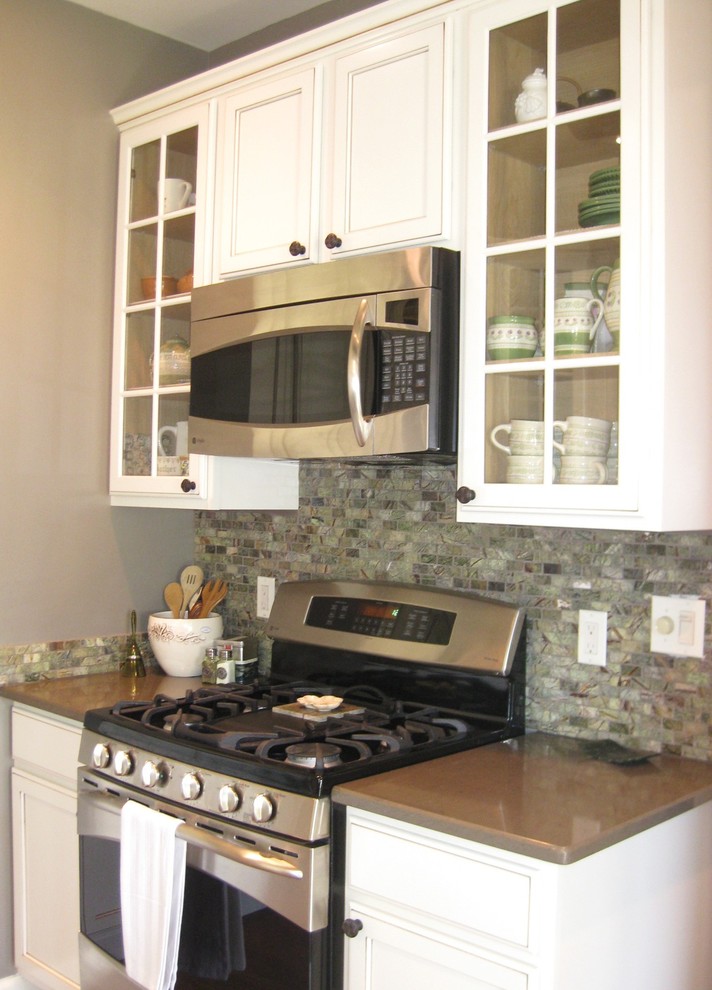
<point x="229" y="939"/>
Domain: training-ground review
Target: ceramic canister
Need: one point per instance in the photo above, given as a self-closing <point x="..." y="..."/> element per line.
<point x="511" y="337"/>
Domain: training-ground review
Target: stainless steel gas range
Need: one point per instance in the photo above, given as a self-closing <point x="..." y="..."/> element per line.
<point x="247" y="769"/>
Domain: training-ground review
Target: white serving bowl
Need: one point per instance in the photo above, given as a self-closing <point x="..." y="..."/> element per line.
<point x="179" y="645"/>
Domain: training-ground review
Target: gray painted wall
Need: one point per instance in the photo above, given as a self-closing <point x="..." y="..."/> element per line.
<point x="70" y="565"/>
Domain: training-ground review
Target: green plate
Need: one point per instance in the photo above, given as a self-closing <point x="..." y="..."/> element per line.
<point x="600" y="219"/>
<point x="605" y="174"/>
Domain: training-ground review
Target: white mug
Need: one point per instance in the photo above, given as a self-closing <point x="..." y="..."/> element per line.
<point x="583" y="471"/>
<point x="525" y="470"/>
<point x="583" y="436"/>
<point x="526" y="436"/>
<point x="176" y="193"/>
<point x="173" y="440"/>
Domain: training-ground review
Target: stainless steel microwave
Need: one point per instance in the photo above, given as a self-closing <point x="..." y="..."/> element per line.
<point x="350" y="358"/>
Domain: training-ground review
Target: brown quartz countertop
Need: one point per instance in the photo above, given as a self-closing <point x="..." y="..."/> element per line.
<point x="72" y="696"/>
<point x="539" y="795"/>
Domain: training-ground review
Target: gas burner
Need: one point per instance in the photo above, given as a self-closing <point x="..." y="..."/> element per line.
<point x="318" y="755"/>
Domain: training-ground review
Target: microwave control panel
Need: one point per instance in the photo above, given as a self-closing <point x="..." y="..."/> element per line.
<point x="405" y="364"/>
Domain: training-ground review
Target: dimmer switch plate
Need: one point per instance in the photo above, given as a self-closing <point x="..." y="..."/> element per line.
<point x="677" y="626"/>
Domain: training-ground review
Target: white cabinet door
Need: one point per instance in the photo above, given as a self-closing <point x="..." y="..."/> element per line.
<point x="386" y="177"/>
<point x="266" y="172"/>
<point x="572" y="205"/>
<point x="389" y="953"/>
<point x="46" y="882"/>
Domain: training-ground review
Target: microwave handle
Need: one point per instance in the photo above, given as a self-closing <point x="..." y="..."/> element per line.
<point x="362" y="427"/>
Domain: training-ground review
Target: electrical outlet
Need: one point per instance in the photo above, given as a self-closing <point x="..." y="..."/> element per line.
<point x="592" y="636"/>
<point x="265" y="596"/>
<point x="677" y="626"/>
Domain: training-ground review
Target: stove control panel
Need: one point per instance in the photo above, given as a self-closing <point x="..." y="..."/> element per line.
<point x="240" y="801"/>
<point x="382" y="619"/>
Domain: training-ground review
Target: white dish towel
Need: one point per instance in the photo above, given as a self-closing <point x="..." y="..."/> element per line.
<point x="152" y="885"/>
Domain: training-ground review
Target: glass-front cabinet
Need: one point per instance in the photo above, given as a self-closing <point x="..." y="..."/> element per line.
<point x="549" y="243"/>
<point x="161" y="210"/>
<point x="165" y="199"/>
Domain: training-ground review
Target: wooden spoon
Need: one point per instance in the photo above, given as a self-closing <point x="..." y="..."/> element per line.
<point x="173" y="596"/>
<point x="191" y="579"/>
<point x="213" y="594"/>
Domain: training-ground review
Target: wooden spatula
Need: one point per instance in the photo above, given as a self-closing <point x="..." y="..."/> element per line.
<point x="213" y="594"/>
<point x="191" y="579"/>
<point x="173" y="596"/>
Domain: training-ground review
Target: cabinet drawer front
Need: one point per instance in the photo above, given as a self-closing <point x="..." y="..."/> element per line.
<point x="444" y="883"/>
<point x="51" y="747"/>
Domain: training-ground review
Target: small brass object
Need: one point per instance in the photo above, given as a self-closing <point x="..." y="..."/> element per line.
<point x="133" y="666"/>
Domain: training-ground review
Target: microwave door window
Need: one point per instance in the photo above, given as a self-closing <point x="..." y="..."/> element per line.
<point x="297" y="378"/>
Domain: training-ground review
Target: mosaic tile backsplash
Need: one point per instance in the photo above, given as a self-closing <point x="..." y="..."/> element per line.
<point x="398" y="524"/>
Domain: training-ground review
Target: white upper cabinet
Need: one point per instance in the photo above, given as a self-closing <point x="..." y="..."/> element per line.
<point x="266" y="173"/>
<point x="309" y="171"/>
<point x="385" y="177"/>
<point x="584" y="366"/>
<point x="162" y="250"/>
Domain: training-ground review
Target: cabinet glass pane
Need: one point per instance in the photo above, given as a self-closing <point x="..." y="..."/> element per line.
<point x="172" y="437"/>
<point x="174" y="360"/>
<point x="514" y="425"/>
<point x="145" y="166"/>
<point x="178" y="241"/>
<point x="516" y="187"/>
<point x="181" y="166"/>
<point x="584" y="271"/>
<point x="515" y="51"/>
<point x="142" y="264"/>
<point x="588" y="172"/>
<point x="588" y="52"/>
<point x="585" y="428"/>
<point x="139" y="349"/>
<point x="137" y="436"/>
<point x="515" y="288"/>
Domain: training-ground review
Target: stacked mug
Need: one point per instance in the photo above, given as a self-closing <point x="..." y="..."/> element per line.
<point x="584" y="450"/>
<point x="525" y="465"/>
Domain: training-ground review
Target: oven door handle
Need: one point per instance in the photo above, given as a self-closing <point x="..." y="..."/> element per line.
<point x="221" y="846"/>
<point x="362" y="426"/>
<point x="248" y="857"/>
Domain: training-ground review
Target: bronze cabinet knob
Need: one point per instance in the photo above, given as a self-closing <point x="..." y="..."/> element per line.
<point x="464" y="495"/>
<point x="332" y="241"/>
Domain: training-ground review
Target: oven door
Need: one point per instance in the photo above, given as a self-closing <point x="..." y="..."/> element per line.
<point x="255" y="909"/>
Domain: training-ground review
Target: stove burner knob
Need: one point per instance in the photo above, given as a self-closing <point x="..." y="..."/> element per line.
<point x="101" y="756"/>
<point x="152" y="774"/>
<point x="191" y="787"/>
<point x="351" y="927"/>
<point x="263" y="809"/>
<point x="229" y="798"/>
<point x="123" y="763"/>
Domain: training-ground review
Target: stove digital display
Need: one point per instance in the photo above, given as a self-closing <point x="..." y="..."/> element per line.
<point x="385" y="620"/>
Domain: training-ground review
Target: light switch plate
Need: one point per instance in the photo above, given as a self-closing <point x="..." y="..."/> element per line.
<point x="677" y="626"/>
<point x="265" y="596"/>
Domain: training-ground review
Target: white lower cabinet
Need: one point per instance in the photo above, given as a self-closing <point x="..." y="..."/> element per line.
<point x="429" y="910"/>
<point x="395" y="953"/>
<point x="45" y="849"/>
